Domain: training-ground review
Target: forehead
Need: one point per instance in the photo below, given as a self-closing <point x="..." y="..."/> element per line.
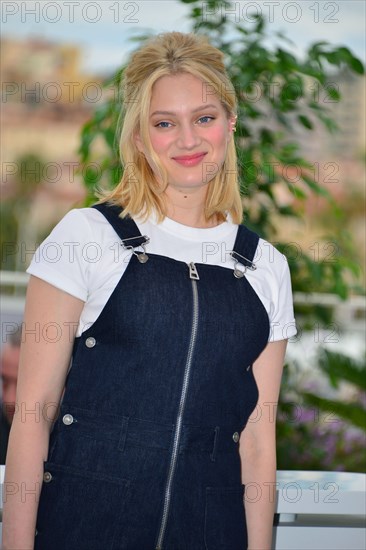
<point x="182" y="89"/>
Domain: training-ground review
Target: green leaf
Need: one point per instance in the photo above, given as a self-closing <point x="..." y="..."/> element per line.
<point x="356" y="65"/>
<point x="287" y="211"/>
<point x="305" y="121"/>
<point x="333" y="93"/>
<point x="329" y="123"/>
<point x="110" y="137"/>
<point x="318" y="189"/>
<point x="348" y="411"/>
<point x="342" y="367"/>
<point x="353" y="62"/>
<point x="295" y="190"/>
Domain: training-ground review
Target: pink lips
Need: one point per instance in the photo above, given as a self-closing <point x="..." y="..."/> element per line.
<point x="190" y="160"/>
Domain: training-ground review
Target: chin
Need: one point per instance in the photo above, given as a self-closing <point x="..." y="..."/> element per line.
<point x="192" y="181"/>
<point x="190" y="185"/>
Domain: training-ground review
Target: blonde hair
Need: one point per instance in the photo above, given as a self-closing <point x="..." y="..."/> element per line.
<point x="140" y="192"/>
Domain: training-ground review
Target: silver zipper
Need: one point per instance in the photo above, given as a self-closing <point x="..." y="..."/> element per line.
<point x="193" y="274"/>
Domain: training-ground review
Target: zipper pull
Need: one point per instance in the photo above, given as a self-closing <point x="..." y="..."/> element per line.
<point x="193" y="273"/>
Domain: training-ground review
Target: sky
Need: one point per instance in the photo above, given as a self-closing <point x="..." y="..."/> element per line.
<point x="104" y="29"/>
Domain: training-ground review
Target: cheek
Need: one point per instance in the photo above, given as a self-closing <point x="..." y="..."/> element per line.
<point x="159" y="142"/>
<point x="219" y="136"/>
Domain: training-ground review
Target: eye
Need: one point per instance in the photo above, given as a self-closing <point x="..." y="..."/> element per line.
<point x="163" y="124"/>
<point x="205" y="119"/>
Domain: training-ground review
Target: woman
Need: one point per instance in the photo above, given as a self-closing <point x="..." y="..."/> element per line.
<point x="175" y="318"/>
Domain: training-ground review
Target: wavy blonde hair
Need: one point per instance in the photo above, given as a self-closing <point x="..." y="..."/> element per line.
<point x="140" y="192"/>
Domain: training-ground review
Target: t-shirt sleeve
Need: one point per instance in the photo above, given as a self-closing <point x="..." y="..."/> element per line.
<point x="283" y="324"/>
<point x="63" y="259"/>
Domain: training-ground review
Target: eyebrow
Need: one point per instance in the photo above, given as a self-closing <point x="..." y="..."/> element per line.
<point x="200" y="108"/>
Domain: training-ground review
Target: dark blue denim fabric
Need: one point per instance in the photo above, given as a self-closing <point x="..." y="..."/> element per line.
<point x="110" y="457"/>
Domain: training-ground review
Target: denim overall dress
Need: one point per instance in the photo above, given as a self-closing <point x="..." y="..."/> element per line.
<point x="144" y="454"/>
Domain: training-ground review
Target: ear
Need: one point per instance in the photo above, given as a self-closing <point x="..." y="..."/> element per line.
<point x="232" y="123"/>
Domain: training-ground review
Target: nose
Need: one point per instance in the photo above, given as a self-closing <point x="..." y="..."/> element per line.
<point x="188" y="137"/>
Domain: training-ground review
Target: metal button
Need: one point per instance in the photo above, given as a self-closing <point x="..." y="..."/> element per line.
<point x="68" y="419"/>
<point x="238" y="274"/>
<point x="236" y="437"/>
<point x="142" y="258"/>
<point x="47" y="477"/>
<point x="248" y="368"/>
<point x="36" y="532"/>
<point x="90" y="342"/>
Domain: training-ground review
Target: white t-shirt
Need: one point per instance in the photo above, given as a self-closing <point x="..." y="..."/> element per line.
<point x="83" y="256"/>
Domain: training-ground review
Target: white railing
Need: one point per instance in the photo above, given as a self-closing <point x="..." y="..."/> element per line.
<point x="320" y="510"/>
<point x="14" y="278"/>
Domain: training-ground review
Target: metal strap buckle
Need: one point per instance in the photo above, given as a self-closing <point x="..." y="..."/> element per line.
<point x="141" y="256"/>
<point x="145" y="237"/>
<point x="239" y="273"/>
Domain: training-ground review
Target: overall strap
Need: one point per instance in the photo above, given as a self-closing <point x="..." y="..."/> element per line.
<point x="125" y="228"/>
<point x="245" y="247"/>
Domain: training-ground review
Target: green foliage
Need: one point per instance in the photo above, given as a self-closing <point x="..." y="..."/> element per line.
<point x="8" y="236"/>
<point x="315" y="432"/>
<point x="14" y="209"/>
<point x="103" y="125"/>
<point x="339" y="369"/>
<point x="355" y="414"/>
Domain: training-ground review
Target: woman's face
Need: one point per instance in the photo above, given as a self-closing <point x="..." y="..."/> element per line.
<point x="189" y="130"/>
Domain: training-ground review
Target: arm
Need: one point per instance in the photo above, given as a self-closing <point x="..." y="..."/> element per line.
<point x="43" y="366"/>
<point x="258" y="448"/>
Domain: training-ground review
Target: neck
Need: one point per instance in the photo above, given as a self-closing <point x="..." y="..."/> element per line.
<point x="188" y="208"/>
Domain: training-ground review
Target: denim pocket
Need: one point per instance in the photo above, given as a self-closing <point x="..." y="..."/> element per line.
<point x="78" y="512"/>
<point x="89" y="442"/>
<point x="225" y="526"/>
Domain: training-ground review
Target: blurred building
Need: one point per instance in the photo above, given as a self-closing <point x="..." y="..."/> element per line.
<point x="337" y="162"/>
<point x="46" y="98"/>
<point x="348" y="141"/>
<point x="350" y="116"/>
